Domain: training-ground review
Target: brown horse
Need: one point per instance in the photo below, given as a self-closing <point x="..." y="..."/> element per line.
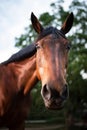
<point x="46" y="60"/>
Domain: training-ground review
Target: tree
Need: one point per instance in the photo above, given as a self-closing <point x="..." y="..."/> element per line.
<point x="78" y="56"/>
<point x="78" y="53"/>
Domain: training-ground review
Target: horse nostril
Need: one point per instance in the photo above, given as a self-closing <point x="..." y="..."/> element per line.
<point x="46" y="92"/>
<point x="65" y="93"/>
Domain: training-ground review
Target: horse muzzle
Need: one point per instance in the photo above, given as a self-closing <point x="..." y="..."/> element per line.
<point x="54" y="99"/>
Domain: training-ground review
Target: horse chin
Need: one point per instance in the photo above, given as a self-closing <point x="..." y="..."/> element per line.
<point x="53" y="106"/>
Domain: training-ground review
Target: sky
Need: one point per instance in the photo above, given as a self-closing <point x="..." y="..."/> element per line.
<point x="14" y="17"/>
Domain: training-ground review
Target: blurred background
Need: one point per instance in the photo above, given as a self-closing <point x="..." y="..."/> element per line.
<point x="16" y="32"/>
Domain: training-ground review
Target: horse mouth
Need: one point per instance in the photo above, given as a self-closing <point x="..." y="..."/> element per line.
<point x="53" y="105"/>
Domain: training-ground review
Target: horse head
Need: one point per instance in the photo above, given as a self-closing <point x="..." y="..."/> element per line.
<point x="52" y="60"/>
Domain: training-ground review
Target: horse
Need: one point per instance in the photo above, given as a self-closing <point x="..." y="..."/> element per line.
<point x="44" y="60"/>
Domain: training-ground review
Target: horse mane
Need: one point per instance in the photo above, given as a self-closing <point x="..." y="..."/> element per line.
<point x="31" y="49"/>
<point x="26" y="52"/>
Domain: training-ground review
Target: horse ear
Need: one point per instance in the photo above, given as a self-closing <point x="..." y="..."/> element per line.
<point x="68" y="23"/>
<point x="36" y="24"/>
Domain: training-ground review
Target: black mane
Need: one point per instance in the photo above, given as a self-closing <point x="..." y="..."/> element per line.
<point x="26" y="52"/>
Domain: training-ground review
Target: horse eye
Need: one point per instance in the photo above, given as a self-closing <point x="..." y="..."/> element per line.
<point x="37" y="46"/>
<point x="68" y="46"/>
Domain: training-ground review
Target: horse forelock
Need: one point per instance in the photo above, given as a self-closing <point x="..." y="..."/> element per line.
<point x="50" y="30"/>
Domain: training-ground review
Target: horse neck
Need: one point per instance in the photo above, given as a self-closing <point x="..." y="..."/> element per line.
<point x="25" y="72"/>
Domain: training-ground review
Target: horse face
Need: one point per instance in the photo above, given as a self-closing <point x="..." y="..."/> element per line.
<point x="52" y="59"/>
<point x="51" y="62"/>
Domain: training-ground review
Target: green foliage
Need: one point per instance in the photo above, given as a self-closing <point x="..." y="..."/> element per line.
<point x="77" y="58"/>
<point x="46" y="19"/>
<point x="26" y="38"/>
